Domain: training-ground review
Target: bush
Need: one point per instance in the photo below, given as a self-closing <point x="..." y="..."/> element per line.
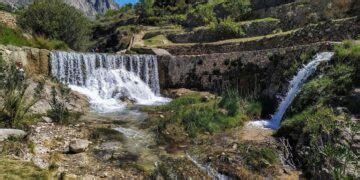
<point x="5" y="7"/>
<point x="197" y="115"/>
<point x="55" y="19"/>
<point x="260" y="158"/>
<point x="12" y="36"/>
<point x="44" y="43"/>
<point x="231" y="102"/>
<point x="228" y="28"/>
<point x="146" y="8"/>
<point x="315" y="131"/>
<point x="202" y="15"/>
<point x="59" y="111"/>
<point x="15" y="110"/>
<point x="238" y="8"/>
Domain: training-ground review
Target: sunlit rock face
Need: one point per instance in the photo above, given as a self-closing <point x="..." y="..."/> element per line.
<point x="89" y="7"/>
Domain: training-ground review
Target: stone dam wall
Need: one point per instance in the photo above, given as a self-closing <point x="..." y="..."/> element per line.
<point x="261" y="73"/>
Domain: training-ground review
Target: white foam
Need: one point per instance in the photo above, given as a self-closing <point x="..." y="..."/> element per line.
<point x="294" y="88"/>
<point x="108" y="79"/>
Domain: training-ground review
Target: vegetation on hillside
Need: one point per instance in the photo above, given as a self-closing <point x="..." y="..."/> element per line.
<point x="5" y="7"/>
<point x="15" y="111"/>
<point x="320" y="116"/>
<point x="198" y="114"/>
<point x="55" y="19"/>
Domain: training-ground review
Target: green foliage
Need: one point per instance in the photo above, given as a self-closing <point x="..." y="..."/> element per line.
<point x="254" y="110"/>
<point x="203" y="13"/>
<point x="166" y="19"/>
<point x="55" y="19"/>
<point x="199" y="116"/>
<point x="12" y="36"/>
<point x="231" y="102"/>
<point x="338" y="79"/>
<point x="317" y="129"/>
<point x="124" y="9"/>
<point x="15" y="110"/>
<point x="238" y="8"/>
<point x="349" y="53"/>
<point x="59" y="111"/>
<point x="312" y="125"/>
<point x="147" y="7"/>
<point x="349" y="49"/>
<point x="228" y="28"/>
<point x="44" y="43"/>
<point x="5" y="7"/>
<point x="15" y="37"/>
<point x="260" y="158"/>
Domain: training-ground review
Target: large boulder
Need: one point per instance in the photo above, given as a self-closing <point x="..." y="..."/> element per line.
<point x="7" y="133"/>
<point x="79" y="145"/>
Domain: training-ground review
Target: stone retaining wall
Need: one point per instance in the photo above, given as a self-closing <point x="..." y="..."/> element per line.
<point x="35" y="61"/>
<point x="337" y="30"/>
<point x="262" y="73"/>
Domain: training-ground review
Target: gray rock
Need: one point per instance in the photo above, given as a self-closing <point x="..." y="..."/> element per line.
<point x="78" y="145"/>
<point x="6" y="133"/>
<point x="47" y="119"/>
<point x="89" y="7"/>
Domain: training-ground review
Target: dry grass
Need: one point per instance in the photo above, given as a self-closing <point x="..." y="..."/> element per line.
<point x="16" y="169"/>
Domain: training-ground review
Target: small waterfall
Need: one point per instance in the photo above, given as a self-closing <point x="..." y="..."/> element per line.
<point x="208" y="169"/>
<point x="295" y="86"/>
<point x="106" y="79"/>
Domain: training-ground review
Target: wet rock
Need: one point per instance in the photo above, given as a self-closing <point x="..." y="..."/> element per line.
<point x="7" y="133"/>
<point x="79" y="145"/>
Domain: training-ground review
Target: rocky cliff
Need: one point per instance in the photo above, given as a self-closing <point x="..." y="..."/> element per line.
<point x="90" y="7"/>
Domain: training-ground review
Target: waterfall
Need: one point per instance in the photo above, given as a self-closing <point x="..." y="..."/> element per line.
<point x="295" y="86"/>
<point x="106" y="79"/>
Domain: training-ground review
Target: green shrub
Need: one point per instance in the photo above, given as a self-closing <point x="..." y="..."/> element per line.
<point x="146" y="8"/>
<point x="166" y="19"/>
<point x="254" y="110"/>
<point x="12" y="36"/>
<point x="5" y="7"/>
<point x="124" y="9"/>
<point x="55" y="19"/>
<point x="200" y="116"/>
<point x="228" y="28"/>
<point x="316" y="132"/>
<point x="260" y="158"/>
<point x="15" y="110"/>
<point x="203" y="13"/>
<point x="238" y="8"/>
<point x="44" y="43"/>
<point x="348" y="49"/>
<point x="59" y="112"/>
<point x="231" y="102"/>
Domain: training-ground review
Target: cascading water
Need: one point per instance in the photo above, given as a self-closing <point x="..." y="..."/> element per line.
<point x="295" y="86"/>
<point x="107" y="79"/>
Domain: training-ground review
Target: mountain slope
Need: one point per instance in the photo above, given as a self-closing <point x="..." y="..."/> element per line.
<point x="90" y="7"/>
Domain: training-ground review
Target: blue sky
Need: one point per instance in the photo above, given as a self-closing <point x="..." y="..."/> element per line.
<point x="122" y="2"/>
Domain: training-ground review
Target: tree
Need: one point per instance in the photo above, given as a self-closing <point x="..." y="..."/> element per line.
<point x="238" y="8"/>
<point x="147" y="7"/>
<point x="55" y="19"/>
